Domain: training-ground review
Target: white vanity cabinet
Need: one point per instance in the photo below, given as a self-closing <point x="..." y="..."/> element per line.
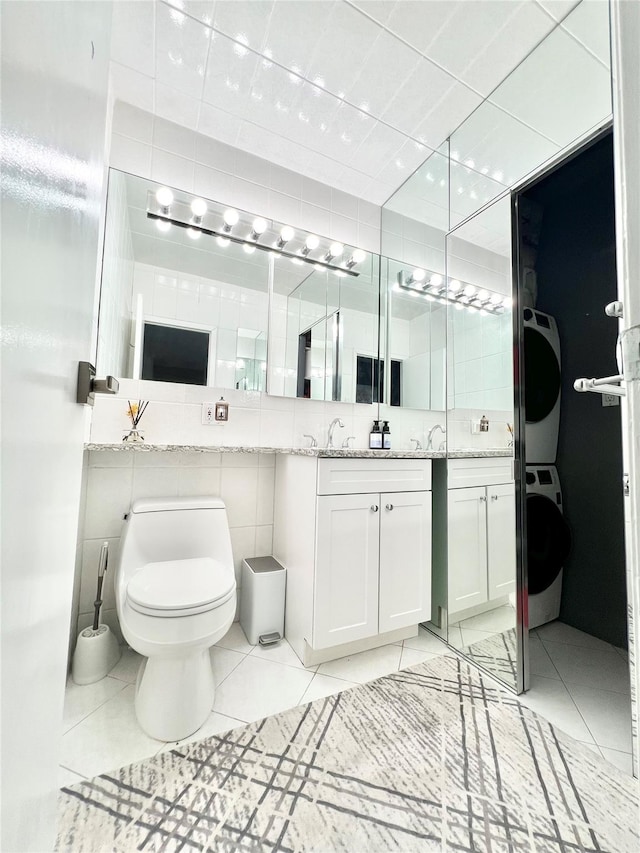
<point x="481" y="541"/>
<point x="355" y="537"/>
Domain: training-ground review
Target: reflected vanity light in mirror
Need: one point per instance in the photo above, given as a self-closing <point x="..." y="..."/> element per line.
<point x="437" y="290"/>
<point x="167" y="211"/>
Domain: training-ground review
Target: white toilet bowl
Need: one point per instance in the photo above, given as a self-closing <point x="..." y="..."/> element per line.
<point x="175" y="598"/>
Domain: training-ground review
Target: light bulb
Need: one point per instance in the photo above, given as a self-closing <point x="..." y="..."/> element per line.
<point x="164" y="197"/>
<point x="454" y="285"/>
<point x="259" y="225"/>
<point x="435" y="280"/>
<point x="469" y="290"/>
<point x="483" y="296"/>
<point x="336" y="249"/>
<point x="358" y="256"/>
<point x="418" y="275"/>
<point x="231" y="217"/>
<point x="287" y="233"/>
<point x="194" y="233"/>
<point x="296" y="260"/>
<point x="163" y="225"/>
<point x="496" y="299"/>
<point x="248" y="249"/>
<point x="312" y="242"/>
<point x="222" y="241"/>
<point x="198" y="207"/>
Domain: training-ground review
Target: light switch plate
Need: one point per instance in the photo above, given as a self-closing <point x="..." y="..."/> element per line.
<point x="610" y="400"/>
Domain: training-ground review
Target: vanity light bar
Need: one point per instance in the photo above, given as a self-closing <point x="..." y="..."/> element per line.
<point x="434" y="288"/>
<point x="167" y="215"/>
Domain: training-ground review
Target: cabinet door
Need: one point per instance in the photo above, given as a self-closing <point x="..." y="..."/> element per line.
<point x="346" y="575"/>
<point x="501" y="539"/>
<point x="467" y="547"/>
<point x="405" y="559"/>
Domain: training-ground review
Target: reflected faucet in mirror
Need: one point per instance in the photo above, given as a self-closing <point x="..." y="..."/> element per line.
<point x="312" y="439"/>
<point x="335" y="422"/>
<point x="418" y="443"/>
<point x="431" y="434"/>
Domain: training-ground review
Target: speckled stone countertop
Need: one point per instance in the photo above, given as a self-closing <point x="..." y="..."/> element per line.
<point x="352" y="453"/>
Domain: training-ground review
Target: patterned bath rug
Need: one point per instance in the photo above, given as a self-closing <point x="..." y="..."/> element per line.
<point x="432" y="758"/>
<point x="497" y="653"/>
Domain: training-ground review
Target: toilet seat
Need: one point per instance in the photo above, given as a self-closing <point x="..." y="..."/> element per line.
<point x="172" y="588"/>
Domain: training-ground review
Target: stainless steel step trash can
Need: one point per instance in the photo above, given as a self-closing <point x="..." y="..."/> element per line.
<point x="262" y="600"/>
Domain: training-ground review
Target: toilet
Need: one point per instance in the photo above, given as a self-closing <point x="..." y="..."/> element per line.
<point x="175" y="597"/>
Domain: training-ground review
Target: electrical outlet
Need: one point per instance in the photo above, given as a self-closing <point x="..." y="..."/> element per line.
<point x="610" y="400"/>
<point x="208" y="413"/>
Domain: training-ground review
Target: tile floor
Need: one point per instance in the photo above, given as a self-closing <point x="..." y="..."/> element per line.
<point x="101" y="732"/>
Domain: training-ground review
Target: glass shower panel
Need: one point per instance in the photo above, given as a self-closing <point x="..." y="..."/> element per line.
<point x="481" y="503"/>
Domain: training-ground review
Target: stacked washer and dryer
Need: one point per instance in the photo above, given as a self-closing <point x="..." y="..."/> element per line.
<point x="548" y="536"/>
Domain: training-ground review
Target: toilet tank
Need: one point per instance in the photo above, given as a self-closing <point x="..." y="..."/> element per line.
<point x="159" y="529"/>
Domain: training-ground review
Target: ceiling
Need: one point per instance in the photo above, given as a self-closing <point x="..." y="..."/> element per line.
<point x="354" y="93"/>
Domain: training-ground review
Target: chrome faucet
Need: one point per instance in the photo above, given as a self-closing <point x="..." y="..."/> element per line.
<point x="345" y="443"/>
<point x="418" y="444"/>
<point x="431" y="432"/>
<point x="332" y="426"/>
<point x="312" y="440"/>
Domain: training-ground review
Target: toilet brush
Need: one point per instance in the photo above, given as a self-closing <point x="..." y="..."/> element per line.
<point x="97" y="650"/>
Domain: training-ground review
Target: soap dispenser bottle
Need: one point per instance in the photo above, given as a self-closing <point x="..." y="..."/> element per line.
<point x="386" y="436"/>
<point x="375" y="437"/>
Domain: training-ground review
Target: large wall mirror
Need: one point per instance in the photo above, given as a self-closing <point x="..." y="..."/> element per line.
<point x="324" y="330"/>
<point x="178" y="304"/>
<point x="481" y="502"/>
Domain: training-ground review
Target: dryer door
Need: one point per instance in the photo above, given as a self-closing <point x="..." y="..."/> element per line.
<point x="548" y="542"/>
<point x="541" y="376"/>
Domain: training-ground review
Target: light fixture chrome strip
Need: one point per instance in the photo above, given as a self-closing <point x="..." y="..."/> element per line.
<point x="241" y="241"/>
<point x="166" y="211"/>
<point x="434" y="288"/>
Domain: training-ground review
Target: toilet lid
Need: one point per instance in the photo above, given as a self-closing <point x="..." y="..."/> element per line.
<point x="180" y="585"/>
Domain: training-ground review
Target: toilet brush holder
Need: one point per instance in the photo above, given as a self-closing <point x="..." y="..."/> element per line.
<point x="97" y="650"/>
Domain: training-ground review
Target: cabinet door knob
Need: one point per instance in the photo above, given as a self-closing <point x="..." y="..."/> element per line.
<point x="483" y="498"/>
<point x="374" y="508"/>
<point x="389" y="507"/>
<point x="494" y="497"/>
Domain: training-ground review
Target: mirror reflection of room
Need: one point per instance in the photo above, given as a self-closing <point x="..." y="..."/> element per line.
<point x="178" y="304"/>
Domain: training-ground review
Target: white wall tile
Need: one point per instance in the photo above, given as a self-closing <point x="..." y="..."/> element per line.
<point x="173" y="138"/>
<point x="176" y="106"/>
<point x="130" y="155"/>
<point x="132" y="122"/>
<point x="243" y="545"/>
<point x="133" y="86"/>
<point x="199" y="481"/>
<point x="170" y="169"/>
<point x="108" y="499"/>
<point x="239" y="488"/>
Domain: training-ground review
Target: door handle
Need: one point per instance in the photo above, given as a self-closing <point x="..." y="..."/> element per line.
<point x="389" y="507"/>
<point x="374" y="507"/>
